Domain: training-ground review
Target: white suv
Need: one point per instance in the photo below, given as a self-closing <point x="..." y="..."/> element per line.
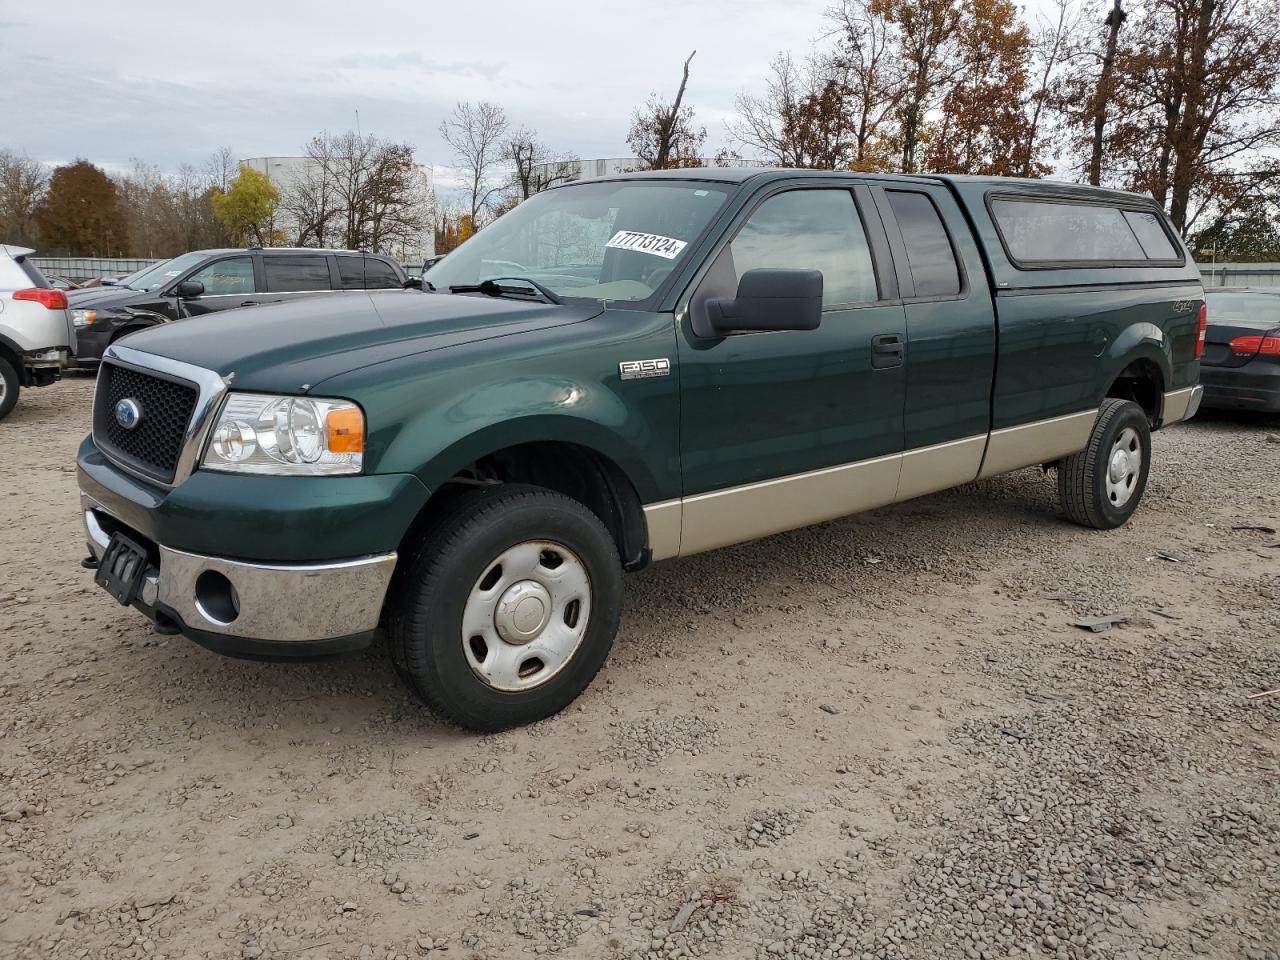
<point x="36" y="333"/>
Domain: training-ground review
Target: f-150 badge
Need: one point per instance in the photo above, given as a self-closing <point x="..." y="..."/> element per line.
<point x="639" y="369"/>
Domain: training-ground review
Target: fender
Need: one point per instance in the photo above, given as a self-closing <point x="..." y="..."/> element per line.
<point x="1138" y="341"/>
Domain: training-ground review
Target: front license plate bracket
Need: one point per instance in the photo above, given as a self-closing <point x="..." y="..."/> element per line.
<point x="123" y="565"/>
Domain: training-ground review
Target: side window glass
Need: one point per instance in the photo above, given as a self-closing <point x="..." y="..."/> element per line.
<point x="226" y="277"/>
<point x="1155" y="242"/>
<point x="934" y="270"/>
<point x="351" y="272"/>
<point x="1057" y="231"/>
<point x="294" y="274"/>
<point x="810" y="230"/>
<point x="378" y="275"/>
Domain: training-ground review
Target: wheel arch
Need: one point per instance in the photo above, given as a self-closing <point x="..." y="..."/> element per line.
<point x="576" y="468"/>
<point x="1141" y="370"/>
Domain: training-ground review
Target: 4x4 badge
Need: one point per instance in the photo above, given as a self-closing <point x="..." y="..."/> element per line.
<point x="638" y="369"/>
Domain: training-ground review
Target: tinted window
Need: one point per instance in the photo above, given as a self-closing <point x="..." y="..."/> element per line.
<point x="291" y="274"/>
<point x="934" y="270"/>
<point x="1054" y="231"/>
<point x="351" y="272"/>
<point x="225" y="277"/>
<point x="810" y="230"/>
<point x="1151" y="235"/>
<point x="378" y="275"/>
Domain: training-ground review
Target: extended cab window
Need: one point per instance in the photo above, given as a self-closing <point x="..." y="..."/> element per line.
<point x="934" y="270"/>
<point x="810" y="230"/>
<point x="294" y="274"/>
<point x="1062" y="231"/>
<point x="226" y="277"/>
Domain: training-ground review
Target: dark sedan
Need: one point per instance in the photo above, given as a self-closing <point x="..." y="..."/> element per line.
<point x="1240" y="369"/>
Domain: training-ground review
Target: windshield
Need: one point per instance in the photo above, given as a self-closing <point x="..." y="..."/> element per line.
<point x="608" y="241"/>
<point x="158" y="274"/>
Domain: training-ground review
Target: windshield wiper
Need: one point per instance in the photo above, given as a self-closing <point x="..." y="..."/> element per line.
<point x="494" y="289"/>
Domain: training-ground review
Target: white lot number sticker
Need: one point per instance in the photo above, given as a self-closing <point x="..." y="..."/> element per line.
<point x="667" y="247"/>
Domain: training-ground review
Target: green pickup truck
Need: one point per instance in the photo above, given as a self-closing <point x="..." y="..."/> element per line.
<point x="620" y="371"/>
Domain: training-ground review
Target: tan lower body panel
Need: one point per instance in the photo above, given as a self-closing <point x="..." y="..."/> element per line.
<point x="758" y="509"/>
<point x="736" y="514"/>
<point x="1030" y="443"/>
<point x="930" y="469"/>
<point x="1175" y="405"/>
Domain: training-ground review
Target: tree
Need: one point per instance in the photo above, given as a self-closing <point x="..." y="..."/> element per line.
<point x="984" y="129"/>
<point x="867" y="54"/>
<point x="23" y="183"/>
<point x="454" y="228"/>
<point x="248" y="209"/>
<point x="1250" y="235"/>
<point x="80" y="215"/>
<point x="476" y="132"/>
<point x="802" y="120"/>
<point x="534" y="167"/>
<point x="1193" y="100"/>
<point x="1103" y="92"/>
<point x="663" y="135"/>
<point x="924" y="30"/>
<point x="1050" y="48"/>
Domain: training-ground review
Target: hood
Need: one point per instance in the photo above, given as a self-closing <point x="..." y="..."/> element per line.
<point x="102" y="298"/>
<point x="287" y="347"/>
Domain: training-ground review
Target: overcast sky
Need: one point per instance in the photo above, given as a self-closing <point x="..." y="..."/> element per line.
<point x="169" y="83"/>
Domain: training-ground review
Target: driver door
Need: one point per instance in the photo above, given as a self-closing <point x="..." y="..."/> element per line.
<point x="227" y="283"/>
<point x="787" y="428"/>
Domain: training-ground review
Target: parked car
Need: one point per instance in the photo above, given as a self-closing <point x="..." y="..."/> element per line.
<point x="1240" y="369"/>
<point x="620" y="371"/>
<point x="36" y="336"/>
<point x="62" y="283"/>
<point x="205" y="281"/>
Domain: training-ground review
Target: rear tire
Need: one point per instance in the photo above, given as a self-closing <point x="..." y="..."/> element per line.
<point x="9" y="387"/>
<point x="1101" y="486"/>
<point x="506" y="608"/>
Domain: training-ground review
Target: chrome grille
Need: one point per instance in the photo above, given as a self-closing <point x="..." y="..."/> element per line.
<point x="155" y="445"/>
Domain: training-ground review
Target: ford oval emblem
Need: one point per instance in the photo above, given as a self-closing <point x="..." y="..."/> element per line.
<point x="128" y="413"/>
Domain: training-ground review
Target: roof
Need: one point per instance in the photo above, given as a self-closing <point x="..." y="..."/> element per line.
<point x="216" y="250"/>
<point x="740" y="175"/>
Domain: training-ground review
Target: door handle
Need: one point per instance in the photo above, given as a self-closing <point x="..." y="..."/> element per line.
<point x="249" y="303"/>
<point x="887" y="350"/>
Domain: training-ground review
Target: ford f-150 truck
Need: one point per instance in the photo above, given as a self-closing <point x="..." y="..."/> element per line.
<point x="616" y="372"/>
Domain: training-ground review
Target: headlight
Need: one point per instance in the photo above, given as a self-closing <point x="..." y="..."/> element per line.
<point x="83" y="318"/>
<point x="286" y="436"/>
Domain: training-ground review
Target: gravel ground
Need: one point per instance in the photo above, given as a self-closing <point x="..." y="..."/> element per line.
<point x="882" y="737"/>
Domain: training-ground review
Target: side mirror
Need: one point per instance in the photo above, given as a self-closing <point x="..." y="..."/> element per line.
<point x="412" y="283"/>
<point x="190" y="289"/>
<point x="772" y="299"/>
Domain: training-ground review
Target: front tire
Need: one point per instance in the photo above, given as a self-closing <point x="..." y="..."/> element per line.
<point x="507" y="607"/>
<point x="1101" y="486"/>
<point x="9" y="386"/>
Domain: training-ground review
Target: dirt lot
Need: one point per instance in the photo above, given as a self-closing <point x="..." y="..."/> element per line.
<point x="878" y="738"/>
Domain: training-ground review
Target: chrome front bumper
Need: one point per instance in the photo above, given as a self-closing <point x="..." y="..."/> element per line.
<point x="276" y="604"/>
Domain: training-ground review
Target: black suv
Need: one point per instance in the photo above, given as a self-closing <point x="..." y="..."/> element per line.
<point x="205" y="281"/>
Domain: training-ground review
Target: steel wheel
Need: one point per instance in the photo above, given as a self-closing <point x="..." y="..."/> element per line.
<point x="526" y="616"/>
<point x="1124" y="466"/>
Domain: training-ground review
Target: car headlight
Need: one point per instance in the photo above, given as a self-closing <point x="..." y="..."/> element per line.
<point x="286" y="436"/>
<point x="83" y="318"/>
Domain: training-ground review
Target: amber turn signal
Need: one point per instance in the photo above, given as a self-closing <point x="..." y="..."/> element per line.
<point x="345" y="428"/>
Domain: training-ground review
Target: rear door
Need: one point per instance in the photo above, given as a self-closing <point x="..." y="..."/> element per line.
<point x="786" y="428"/>
<point x="290" y="276"/>
<point x="951" y="336"/>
